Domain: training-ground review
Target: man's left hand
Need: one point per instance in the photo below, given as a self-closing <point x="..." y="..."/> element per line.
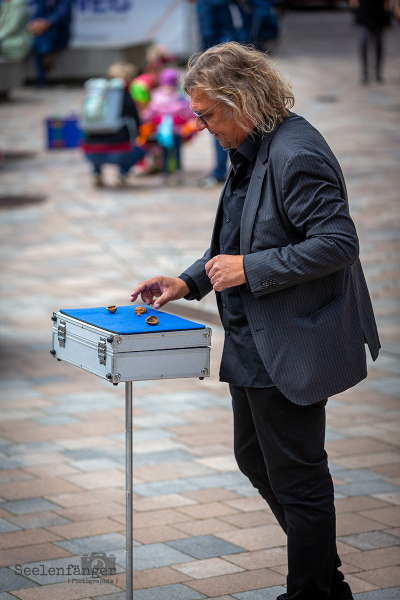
<point x="225" y="271"/>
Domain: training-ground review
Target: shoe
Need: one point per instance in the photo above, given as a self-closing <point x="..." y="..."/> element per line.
<point x="210" y="181"/>
<point x="97" y="181"/>
<point x="177" y="178"/>
<point x="121" y="181"/>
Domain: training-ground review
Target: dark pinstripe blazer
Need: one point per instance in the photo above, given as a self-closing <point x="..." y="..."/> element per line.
<point x="306" y="299"/>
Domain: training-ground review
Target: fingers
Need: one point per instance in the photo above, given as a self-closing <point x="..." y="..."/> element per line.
<point x="163" y="299"/>
<point x="141" y="287"/>
<point x="209" y="266"/>
<point x="164" y="289"/>
<point x="148" y="289"/>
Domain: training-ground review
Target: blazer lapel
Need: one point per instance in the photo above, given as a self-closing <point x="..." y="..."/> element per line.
<point x="253" y="195"/>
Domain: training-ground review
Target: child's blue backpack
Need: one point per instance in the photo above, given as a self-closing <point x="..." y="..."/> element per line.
<point x="102" y="104"/>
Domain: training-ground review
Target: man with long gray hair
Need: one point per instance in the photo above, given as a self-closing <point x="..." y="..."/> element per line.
<point x="291" y="294"/>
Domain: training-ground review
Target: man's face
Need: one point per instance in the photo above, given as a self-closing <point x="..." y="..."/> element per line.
<point x="224" y="129"/>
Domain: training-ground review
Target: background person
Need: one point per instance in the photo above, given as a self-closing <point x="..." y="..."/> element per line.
<point x="15" y="39"/>
<point x="291" y="294"/>
<point x="372" y="16"/>
<point x="169" y="111"/>
<point x="118" y="148"/>
<point x="51" y="30"/>
<point x="216" y="26"/>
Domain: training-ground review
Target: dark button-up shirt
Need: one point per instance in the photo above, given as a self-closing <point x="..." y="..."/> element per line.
<point x="240" y="364"/>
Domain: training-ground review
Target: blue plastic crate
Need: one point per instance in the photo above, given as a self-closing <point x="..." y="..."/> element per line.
<point x="63" y="133"/>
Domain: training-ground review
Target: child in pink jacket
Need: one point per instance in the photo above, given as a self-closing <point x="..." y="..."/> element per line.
<point x="169" y="110"/>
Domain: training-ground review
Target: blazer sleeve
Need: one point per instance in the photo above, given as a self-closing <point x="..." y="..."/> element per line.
<point x="198" y="274"/>
<point x="314" y="203"/>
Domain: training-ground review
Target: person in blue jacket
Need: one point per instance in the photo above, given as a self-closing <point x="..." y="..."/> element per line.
<point x="50" y="27"/>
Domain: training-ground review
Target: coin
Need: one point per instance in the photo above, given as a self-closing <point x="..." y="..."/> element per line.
<point x="112" y="308"/>
<point x="152" y="320"/>
<point x="139" y="310"/>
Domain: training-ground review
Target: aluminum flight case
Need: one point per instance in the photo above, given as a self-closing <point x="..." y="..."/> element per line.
<point x="123" y="347"/>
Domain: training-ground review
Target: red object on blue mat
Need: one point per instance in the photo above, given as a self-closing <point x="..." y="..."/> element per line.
<point x="126" y="321"/>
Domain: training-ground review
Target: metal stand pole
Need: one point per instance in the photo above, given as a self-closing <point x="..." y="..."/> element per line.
<point x="129" y="503"/>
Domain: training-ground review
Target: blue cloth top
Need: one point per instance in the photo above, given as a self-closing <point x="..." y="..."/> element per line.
<point x="126" y="321"/>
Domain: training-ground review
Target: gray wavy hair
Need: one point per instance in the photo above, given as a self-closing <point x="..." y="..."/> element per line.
<point x="245" y="80"/>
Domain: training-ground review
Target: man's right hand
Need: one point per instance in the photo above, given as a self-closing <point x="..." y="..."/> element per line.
<point x="165" y="289"/>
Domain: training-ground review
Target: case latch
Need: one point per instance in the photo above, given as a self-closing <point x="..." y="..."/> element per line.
<point x="102" y="351"/>
<point x="62" y="333"/>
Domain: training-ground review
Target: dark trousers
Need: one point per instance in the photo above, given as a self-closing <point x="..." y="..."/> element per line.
<point x="369" y="37"/>
<point x="51" y="41"/>
<point x="279" y="446"/>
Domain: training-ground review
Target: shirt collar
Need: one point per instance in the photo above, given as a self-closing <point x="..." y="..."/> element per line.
<point x="248" y="149"/>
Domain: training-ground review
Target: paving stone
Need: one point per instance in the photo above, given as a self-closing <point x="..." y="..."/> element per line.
<point x="160" y="420"/>
<point x="66" y="591"/>
<point x="175" y="591"/>
<point x="237" y="582"/>
<point x="5" y="526"/>
<point x="358" y="475"/>
<point x="97" y="479"/>
<point x="153" y="556"/>
<point x="35" y="520"/>
<point x="100" y="464"/>
<point x="146" y="435"/>
<point x="383" y="594"/>
<point x="389" y="515"/>
<point x="386" y="576"/>
<point x="388" y="385"/>
<point x="118" y="596"/>
<point x="32" y="505"/>
<point x="156" y="458"/>
<point x="153" y="535"/>
<point x="14" y="539"/>
<point x="208" y="510"/>
<point x="26" y="554"/>
<point x="6" y="596"/>
<point x="209" y="567"/>
<point x="93" y="511"/>
<point x="169" y="471"/>
<point x="158" y="488"/>
<point x="256" y="538"/>
<point x="370" y="540"/>
<point x="374" y="559"/>
<point x="95" y="452"/>
<point x="358" y="503"/>
<point x="94" y="543"/>
<point x="157" y="577"/>
<point x="334" y="435"/>
<point x="223" y="480"/>
<point x="264" y="594"/>
<point x="205" y="546"/>
<point x="56" y="420"/>
<point x="366" y="487"/>
<point x="13" y="449"/>
<point x="11" y="581"/>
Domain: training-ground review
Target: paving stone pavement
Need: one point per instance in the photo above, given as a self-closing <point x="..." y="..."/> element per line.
<point x="199" y="528"/>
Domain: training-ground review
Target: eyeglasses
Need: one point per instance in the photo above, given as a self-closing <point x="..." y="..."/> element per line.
<point x="205" y="112"/>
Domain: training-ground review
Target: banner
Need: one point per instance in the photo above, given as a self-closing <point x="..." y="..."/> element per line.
<point x="110" y="23"/>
